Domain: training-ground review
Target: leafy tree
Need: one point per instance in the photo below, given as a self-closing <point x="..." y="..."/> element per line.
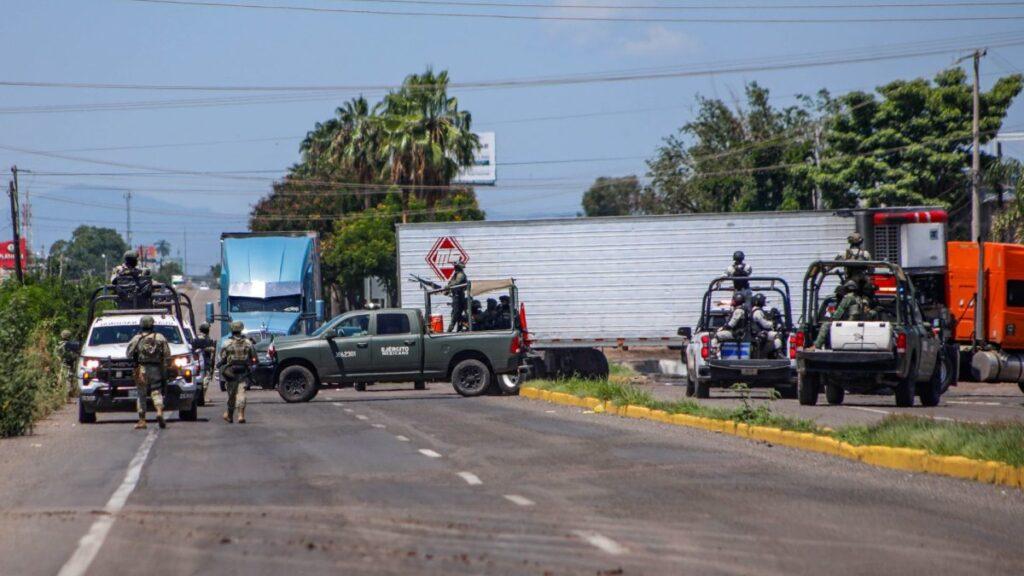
<point x="163" y="249"/>
<point x="737" y="158"/>
<point x="1008" y="219"/>
<point x="612" y="196"/>
<point x="83" y="255"/>
<point x="912" y="144"/>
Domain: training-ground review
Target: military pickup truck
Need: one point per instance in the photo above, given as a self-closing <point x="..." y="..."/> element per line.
<point x="890" y="348"/>
<point x="396" y="345"/>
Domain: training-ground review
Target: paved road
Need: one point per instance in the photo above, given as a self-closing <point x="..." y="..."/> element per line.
<point x="199" y="300"/>
<point x="397" y="481"/>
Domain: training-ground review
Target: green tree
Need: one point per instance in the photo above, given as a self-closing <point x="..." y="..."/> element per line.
<point x="911" y="145"/>
<point x="83" y="255"/>
<point x="612" y="196"/>
<point x="163" y="249"/>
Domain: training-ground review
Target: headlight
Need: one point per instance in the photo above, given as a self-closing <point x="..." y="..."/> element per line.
<point x="90" y="364"/>
<point x="180" y="361"/>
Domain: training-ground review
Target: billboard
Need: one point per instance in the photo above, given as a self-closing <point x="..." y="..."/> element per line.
<point x="7" y="255"/>
<point x="147" y="253"/>
<point x="484" y="170"/>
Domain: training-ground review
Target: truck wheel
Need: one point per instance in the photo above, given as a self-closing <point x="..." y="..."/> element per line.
<point x="1021" y="386"/>
<point x="296" y="383"/>
<point x="703" y="389"/>
<point x="419" y="385"/>
<point x="787" y="392"/>
<point x="360" y="386"/>
<point x="930" y="392"/>
<point x="834" y="393"/>
<point x="190" y="415"/>
<point x="471" y="377"/>
<point x="85" y="417"/>
<point x="691" y="388"/>
<point x="200" y="396"/>
<point x="807" y="388"/>
<point x="905" y="392"/>
<point x="509" y="384"/>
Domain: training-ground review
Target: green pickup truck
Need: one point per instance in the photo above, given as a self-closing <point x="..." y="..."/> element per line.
<point x="395" y="345"/>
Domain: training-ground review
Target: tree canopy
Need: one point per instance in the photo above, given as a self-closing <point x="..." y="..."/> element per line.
<point x="612" y="196"/>
<point x="83" y="255"/>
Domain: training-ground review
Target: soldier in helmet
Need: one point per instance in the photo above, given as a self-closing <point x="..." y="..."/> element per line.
<point x="764" y="325"/>
<point x="740" y="269"/>
<point x="737" y="323"/>
<point x="458" y="288"/>
<point x="207" y="347"/>
<point x="851" y="307"/>
<point x="133" y="285"/>
<point x="504" y="313"/>
<point x="856" y="250"/>
<point x="237" y="357"/>
<point x="151" y="353"/>
<point x="490" y="315"/>
<point x="67" y="351"/>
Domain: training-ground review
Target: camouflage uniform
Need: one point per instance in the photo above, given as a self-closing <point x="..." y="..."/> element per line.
<point x="68" y="357"/>
<point x="208" y="348"/>
<point x="733" y="329"/>
<point x="152" y="354"/>
<point x="236" y="359"/>
<point x="852" y="307"/>
<point x="457" y="287"/>
<point x="764" y="324"/>
<point x="133" y="284"/>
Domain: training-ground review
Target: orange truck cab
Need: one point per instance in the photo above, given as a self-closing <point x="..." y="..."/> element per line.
<point x="1000" y="358"/>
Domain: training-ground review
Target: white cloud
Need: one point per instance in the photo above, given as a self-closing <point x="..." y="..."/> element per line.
<point x="657" y="39"/>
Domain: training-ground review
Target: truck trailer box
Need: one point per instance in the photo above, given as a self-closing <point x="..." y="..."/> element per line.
<point x="1004" y="292"/>
<point x="617" y="281"/>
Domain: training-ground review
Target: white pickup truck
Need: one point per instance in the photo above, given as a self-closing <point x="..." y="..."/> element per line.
<point x="105" y="374"/>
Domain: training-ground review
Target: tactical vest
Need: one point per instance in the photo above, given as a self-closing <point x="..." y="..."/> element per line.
<point x="150" y="349"/>
<point x="238" y="351"/>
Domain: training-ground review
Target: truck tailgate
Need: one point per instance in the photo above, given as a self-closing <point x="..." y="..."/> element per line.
<point x="874" y="336"/>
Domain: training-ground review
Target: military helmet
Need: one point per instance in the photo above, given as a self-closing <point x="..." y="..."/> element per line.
<point x="491" y="302"/>
<point x="204" y="328"/>
<point x="131" y="258"/>
<point x="146" y="322"/>
<point x="459" y="264"/>
<point x="65" y="334"/>
<point x="237" y="327"/>
<point x="738" y="256"/>
<point x="855" y="239"/>
<point x="758" y="299"/>
<point x="738" y="299"/>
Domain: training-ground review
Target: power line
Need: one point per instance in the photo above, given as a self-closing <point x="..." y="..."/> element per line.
<point x="639" y="19"/>
<point x="693" y="7"/>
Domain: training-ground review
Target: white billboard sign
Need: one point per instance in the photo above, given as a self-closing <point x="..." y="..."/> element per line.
<point x="484" y="170"/>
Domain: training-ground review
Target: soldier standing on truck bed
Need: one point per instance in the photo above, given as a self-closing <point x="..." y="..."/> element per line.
<point x="151" y="354"/>
<point x="458" y="288"/>
<point x="237" y="358"/>
<point x="739" y="268"/>
<point x="133" y="285"/>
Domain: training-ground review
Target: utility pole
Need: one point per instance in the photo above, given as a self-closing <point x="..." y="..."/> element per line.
<point x="184" y="254"/>
<point x="977" y="205"/>
<point x="128" y="217"/>
<point x="12" y="191"/>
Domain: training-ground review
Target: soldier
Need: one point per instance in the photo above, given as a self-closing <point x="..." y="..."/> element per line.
<point x="133" y="285"/>
<point x="237" y="358"/>
<point x="457" y="288"/>
<point x="478" y="315"/>
<point x="737" y="323"/>
<point x="490" y="319"/>
<point x="765" y="325"/>
<point x="851" y="307"/>
<point x="856" y="250"/>
<point x="504" y="313"/>
<point x="739" y="268"/>
<point x="67" y="351"/>
<point x="151" y="353"/>
<point x="207" y="347"/>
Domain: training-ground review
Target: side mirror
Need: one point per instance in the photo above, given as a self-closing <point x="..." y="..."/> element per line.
<point x="319" y="310"/>
<point x="330" y="333"/>
<point x="685" y="332"/>
<point x="209" y="312"/>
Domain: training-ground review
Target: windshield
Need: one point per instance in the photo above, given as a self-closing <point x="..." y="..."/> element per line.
<point x="122" y="334"/>
<point x="279" y="304"/>
<point x="350" y="325"/>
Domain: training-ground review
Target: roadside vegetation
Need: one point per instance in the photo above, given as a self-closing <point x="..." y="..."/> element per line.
<point x="31" y="318"/>
<point x="996" y="441"/>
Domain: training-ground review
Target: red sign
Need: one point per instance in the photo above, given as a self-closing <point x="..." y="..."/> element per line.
<point x="147" y="253"/>
<point x="444" y="254"/>
<point x="7" y="255"/>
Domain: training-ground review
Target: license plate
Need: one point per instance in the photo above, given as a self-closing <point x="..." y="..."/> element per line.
<point x="748" y="371"/>
<point x="133" y="394"/>
<point x="118" y="374"/>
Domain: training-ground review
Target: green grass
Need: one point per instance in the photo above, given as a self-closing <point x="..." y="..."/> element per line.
<point x="998" y="441"/>
<point x="622" y="370"/>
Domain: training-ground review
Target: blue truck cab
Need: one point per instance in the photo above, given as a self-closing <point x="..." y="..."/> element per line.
<point x="270" y="282"/>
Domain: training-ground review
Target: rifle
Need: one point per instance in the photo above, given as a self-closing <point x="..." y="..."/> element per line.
<point x="424" y="283"/>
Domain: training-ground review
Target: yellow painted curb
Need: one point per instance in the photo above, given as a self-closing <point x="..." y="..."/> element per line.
<point x="909" y="459"/>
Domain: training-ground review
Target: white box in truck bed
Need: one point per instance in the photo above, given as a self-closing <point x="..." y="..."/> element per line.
<point x="861" y="336"/>
<point x="621" y="280"/>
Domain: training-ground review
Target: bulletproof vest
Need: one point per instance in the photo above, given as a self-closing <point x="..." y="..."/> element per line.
<point x="237" y="351"/>
<point x="133" y="288"/>
<point x="150" y="349"/>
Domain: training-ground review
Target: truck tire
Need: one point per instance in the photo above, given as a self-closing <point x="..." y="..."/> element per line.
<point x="905" y="392"/>
<point x="471" y="377"/>
<point x="930" y="392"/>
<point x="509" y="384"/>
<point x="787" y="392"/>
<point x="85" y="417"/>
<point x="200" y="395"/>
<point x="359" y="386"/>
<point x="703" y="389"/>
<point x="296" y="383"/>
<point x="1021" y="386"/>
<point x="834" y="393"/>
<point x="419" y="385"/>
<point x="190" y="415"/>
<point x="691" y="388"/>
<point x="591" y="363"/>
<point x="807" y="388"/>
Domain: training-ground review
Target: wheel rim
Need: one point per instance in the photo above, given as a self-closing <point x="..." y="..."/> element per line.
<point x="470" y="378"/>
<point x="294" y="385"/>
<point x="510" y="381"/>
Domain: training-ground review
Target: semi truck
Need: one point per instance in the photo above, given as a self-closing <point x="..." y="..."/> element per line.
<point x="270" y="282"/>
<point x="631" y="281"/>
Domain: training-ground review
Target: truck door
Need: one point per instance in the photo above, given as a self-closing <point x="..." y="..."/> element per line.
<point x="351" y="346"/>
<point x="396" y="347"/>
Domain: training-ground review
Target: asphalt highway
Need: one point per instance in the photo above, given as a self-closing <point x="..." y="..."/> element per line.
<point x="394" y="481"/>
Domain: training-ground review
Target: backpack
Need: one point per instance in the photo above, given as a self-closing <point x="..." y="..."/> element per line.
<point x="238" y="352"/>
<point x="150" y="349"/>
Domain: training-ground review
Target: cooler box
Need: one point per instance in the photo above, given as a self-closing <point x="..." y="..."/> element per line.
<point x="734" y="351"/>
<point x="861" y="336"/>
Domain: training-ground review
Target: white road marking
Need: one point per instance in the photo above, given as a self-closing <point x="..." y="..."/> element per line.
<point x="549" y="411"/>
<point x="91" y="543"/>
<point x="863" y="409"/>
<point x="429" y="453"/>
<point x="338" y="404"/>
<point x="943" y="418"/>
<point x="963" y="403"/>
<point x="378" y="425"/>
<point x="518" y="500"/>
<point x="603" y="543"/>
<point x="470" y="478"/>
<point x="349" y="410"/>
<point x="402" y="438"/>
<point x="360" y="416"/>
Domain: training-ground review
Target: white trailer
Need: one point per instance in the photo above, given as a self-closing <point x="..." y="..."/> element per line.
<point x="591" y="283"/>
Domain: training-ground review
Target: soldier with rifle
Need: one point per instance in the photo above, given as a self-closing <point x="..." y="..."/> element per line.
<point x="132" y="284"/>
<point x="237" y="357"/>
<point x="152" y="355"/>
<point x="458" y="289"/>
<point x="207" y="347"/>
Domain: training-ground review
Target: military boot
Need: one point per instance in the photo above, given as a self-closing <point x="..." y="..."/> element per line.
<point x="160" y="418"/>
<point x="241" y="414"/>
<point x="229" y="416"/>
<point x="141" y="424"/>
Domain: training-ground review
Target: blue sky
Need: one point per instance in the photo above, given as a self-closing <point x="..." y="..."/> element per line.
<point x="117" y="41"/>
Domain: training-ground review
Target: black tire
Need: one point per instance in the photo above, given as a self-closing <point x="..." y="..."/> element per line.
<point x="419" y="385"/>
<point x="471" y="377"/>
<point x="85" y="417"/>
<point x="807" y="388"/>
<point x="702" y="389"/>
<point x="930" y="392"/>
<point x="691" y="388"/>
<point x="296" y="383"/>
<point x="359" y="386"/>
<point x="190" y="415"/>
<point x="200" y="395"/>
<point x="834" y="393"/>
<point x="1021" y="386"/>
<point x="591" y="363"/>
<point x="905" y="392"/>
<point x="509" y="383"/>
<point x="787" y="392"/>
